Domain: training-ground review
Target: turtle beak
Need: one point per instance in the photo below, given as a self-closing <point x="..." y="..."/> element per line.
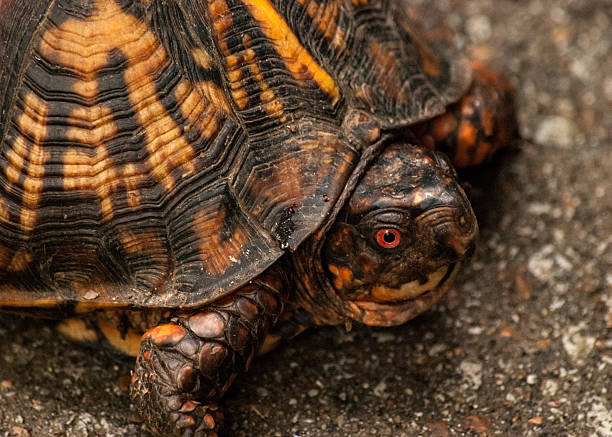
<point x="454" y="231"/>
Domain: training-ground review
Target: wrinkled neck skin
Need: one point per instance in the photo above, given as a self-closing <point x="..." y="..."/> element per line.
<point x="311" y="289"/>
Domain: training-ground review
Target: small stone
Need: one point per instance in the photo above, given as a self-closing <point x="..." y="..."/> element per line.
<point x="476" y="423"/>
<point x="556" y="131"/>
<point x="541" y="264"/>
<point x="600" y="418"/>
<point x="19" y="431"/>
<point x="478" y="27"/>
<point x="472" y="372"/>
<point x="475" y="330"/>
<point x="532" y="379"/>
<point x="550" y="387"/>
<point x="536" y="420"/>
<point x="380" y="388"/>
<point x="506" y="332"/>
<point x="312" y="393"/>
<point x="521" y="287"/>
<point x="576" y="345"/>
<point x="438" y="429"/>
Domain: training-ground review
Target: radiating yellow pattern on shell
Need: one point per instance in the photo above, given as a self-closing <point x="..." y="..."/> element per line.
<point x="326" y="19"/>
<point x="297" y="59"/>
<point x="85" y="46"/>
<point x="27" y="151"/>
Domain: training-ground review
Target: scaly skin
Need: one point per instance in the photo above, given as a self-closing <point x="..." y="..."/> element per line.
<point x="189" y="361"/>
<point x="481" y="123"/>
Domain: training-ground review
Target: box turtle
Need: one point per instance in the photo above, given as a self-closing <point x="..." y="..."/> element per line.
<point x="194" y="181"/>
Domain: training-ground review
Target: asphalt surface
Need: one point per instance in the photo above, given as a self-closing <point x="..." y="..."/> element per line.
<point x="521" y="347"/>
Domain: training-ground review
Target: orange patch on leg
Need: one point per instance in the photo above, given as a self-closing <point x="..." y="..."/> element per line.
<point x="465" y="142"/>
<point x="165" y="335"/>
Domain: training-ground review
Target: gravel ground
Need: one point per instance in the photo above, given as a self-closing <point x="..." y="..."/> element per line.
<point x="522" y="347"/>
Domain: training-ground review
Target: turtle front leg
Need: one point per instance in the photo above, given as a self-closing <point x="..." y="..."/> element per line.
<point x="186" y="364"/>
<point x="478" y="125"/>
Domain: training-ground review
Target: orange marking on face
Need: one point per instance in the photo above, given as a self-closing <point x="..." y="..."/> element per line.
<point x="217" y="254"/>
<point x="296" y="57"/>
<point x="338" y="280"/>
<point x="165" y="335"/>
<point x="129" y="343"/>
<point x="359" y="2"/>
<point x="346" y="274"/>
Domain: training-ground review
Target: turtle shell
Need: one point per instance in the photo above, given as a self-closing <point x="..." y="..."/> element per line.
<point x="162" y="153"/>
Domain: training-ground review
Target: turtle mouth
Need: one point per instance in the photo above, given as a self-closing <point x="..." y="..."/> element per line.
<point x="410" y="301"/>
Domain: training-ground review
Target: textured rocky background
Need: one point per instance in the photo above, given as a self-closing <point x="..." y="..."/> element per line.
<point x="523" y="347"/>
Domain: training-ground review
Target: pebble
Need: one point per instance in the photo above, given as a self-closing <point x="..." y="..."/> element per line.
<point x="472" y="372"/>
<point x="541" y="264"/>
<point x="532" y="379"/>
<point x="555" y="130"/>
<point x="19" y="431"/>
<point x="477" y="423"/>
<point x="600" y="418"/>
<point x="577" y="345"/>
<point x="550" y="387"/>
<point x="536" y="420"/>
<point x="478" y="27"/>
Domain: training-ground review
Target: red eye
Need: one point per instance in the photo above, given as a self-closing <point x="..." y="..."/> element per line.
<point x="388" y="238"/>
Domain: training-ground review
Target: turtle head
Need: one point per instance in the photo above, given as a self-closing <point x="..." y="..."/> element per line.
<point x="399" y="241"/>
